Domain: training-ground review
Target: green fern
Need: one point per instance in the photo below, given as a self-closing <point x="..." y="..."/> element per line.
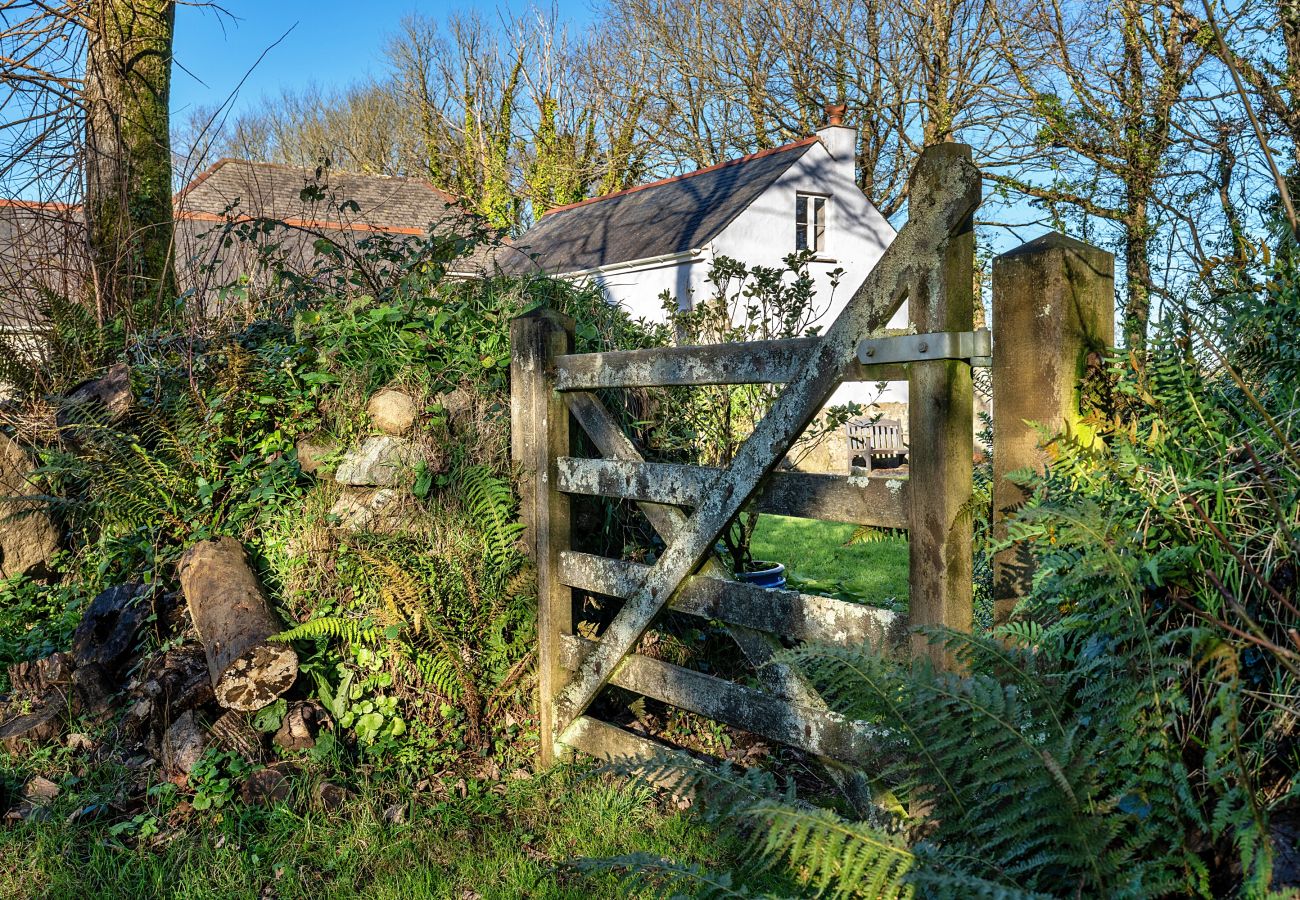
<point x="490" y="502"/>
<point x="341" y="628"/>
<point x="830" y="855"/>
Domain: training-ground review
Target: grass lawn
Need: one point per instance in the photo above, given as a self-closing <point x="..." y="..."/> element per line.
<point x="504" y="841"/>
<point x="817" y="560"/>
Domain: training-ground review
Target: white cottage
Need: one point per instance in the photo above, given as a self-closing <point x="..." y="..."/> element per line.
<point x="664" y="236"/>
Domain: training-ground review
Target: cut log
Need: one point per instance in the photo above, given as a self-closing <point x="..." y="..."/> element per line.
<point x="46" y="721"/>
<point x="35" y="678"/>
<point x="178" y="680"/>
<point x="234" y="622"/>
<point x="231" y="731"/>
<point x="265" y="787"/>
<point x="301" y="723"/>
<point x="183" y="744"/>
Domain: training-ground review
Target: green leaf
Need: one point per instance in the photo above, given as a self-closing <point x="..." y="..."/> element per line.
<point x="269" y="718"/>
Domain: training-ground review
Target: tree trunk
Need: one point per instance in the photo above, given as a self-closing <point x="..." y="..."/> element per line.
<point x="234" y="621"/>
<point x="128" y="157"/>
<point x="1137" y="271"/>
<point x="1288" y="14"/>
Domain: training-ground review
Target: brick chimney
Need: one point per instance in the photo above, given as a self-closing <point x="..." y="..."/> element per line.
<point x="839" y="139"/>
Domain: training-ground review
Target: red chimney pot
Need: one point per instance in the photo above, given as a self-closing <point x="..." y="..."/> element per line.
<point x="835" y="113"/>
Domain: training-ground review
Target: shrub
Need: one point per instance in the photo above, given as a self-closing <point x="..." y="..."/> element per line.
<point x="418" y="642"/>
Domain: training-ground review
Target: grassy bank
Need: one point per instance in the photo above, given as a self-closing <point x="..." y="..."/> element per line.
<point x="386" y="839"/>
<point x="818" y="558"/>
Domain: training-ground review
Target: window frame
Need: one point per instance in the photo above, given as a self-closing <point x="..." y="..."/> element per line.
<point x="811" y="212"/>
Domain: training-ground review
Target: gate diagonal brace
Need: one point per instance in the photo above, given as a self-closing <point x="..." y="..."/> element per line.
<point x="973" y="347"/>
<point x="946" y="192"/>
<point x="760" y="649"/>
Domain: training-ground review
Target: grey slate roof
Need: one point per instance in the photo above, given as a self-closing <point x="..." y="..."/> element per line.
<point x="273" y="190"/>
<point x="43" y="245"/>
<point x="669" y="216"/>
<point x="383" y="203"/>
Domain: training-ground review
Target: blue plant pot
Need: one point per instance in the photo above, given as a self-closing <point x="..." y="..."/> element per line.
<point x="773" y="577"/>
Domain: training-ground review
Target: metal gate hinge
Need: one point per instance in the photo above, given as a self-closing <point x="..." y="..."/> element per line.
<point x="974" y="347"/>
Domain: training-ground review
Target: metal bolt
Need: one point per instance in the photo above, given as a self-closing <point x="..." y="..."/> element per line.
<point x="923" y="347"/>
<point x="871" y="351"/>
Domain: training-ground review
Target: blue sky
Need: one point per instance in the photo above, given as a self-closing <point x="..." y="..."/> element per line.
<point x="333" y="42"/>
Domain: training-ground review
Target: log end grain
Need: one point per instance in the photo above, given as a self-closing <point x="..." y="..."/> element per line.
<point x="257" y="677"/>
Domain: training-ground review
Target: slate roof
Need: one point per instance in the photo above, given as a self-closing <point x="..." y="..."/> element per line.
<point x="321" y="202"/>
<point x="669" y="216"/>
<point x="43" y="245"/>
<point x="403" y="205"/>
<point x="48" y="240"/>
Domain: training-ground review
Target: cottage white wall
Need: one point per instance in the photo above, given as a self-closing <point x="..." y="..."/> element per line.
<point x="856" y="237"/>
<point x="764" y="234"/>
<point x="638" y="289"/>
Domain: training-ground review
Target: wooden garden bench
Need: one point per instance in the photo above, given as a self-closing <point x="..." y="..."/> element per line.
<point x="871" y="440"/>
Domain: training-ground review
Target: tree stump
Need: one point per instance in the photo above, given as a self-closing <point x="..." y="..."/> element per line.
<point x="234" y="622"/>
<point x="105" y="400"/>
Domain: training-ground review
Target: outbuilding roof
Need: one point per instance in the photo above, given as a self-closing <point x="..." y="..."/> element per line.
<point x="324" y="202"/>
<point x="43" y="245"/>
<point x="651" y="220"/>
<point x="383" y="203"/>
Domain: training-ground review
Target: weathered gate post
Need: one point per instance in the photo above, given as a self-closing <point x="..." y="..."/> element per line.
<point x="539" y="435"/>
<point x="941" y="419"/>
<point x="1053" y="305"/>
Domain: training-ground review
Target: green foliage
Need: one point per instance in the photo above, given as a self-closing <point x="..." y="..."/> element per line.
<point x="36" y="619"/>
<point x="555" y="176"/>
<point x="206" y="453"/>
<point x="503" y="839"/>
<point x="72" y="346"/>
<point x="214" y="778"/>
<point x="791" y="848"/>
<point x="418" y="606"/>
<point x="1167" y="565"/>
<point x="415" y="642"/>
<point x="497" y="203"/>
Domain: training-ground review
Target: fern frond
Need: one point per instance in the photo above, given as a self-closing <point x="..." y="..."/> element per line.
<point x="829" y="854"/>
<point x="438" y="672"/>
<point x="402" y="593"/>
<point x="350" y="630"/>
<point x="490" y="502"/>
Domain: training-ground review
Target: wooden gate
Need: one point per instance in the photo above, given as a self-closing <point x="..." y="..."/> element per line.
<point x="930" y="264"/>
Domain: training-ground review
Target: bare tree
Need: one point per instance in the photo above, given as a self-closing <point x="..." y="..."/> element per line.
<point x="42" y="47"/>
<point x="1261" y="40"/>
<point x="1102" y="84"/>
<point x="735" y="77"/>
<point x="512" y="117"/>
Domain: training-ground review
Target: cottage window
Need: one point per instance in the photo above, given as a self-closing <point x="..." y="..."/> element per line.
<point x="809" y="222"/>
